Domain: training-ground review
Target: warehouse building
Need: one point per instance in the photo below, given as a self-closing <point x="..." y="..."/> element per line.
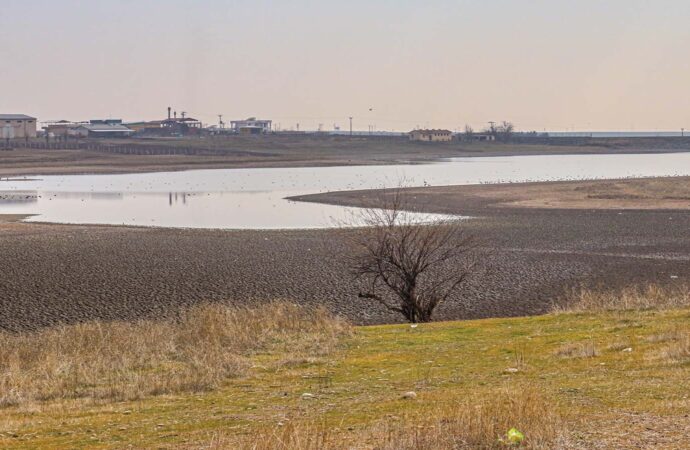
<point x="17" y="126"/>
<point x="101" y="130"/>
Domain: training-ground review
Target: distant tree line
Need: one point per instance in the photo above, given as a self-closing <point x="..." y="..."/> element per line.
<point x="502" y="132"/>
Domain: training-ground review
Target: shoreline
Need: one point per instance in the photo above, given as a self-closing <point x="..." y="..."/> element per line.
<point x="549" y="195"/>
<point x="32" y="163"/>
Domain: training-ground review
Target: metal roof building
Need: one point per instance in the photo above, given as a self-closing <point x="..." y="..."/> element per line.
<point x="101" y="131"/>
<point x="16" y="117"/>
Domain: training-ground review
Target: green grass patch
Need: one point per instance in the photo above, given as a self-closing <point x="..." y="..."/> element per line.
<point x="634" y="370"/>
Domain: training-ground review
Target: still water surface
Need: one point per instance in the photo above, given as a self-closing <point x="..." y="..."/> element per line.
<point x="255" y="198"/>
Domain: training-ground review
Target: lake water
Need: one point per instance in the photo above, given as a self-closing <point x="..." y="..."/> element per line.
<point x="255" y="198"/>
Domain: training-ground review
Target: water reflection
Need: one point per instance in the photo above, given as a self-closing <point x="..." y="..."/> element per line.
<point x="255" y="198"/>
<point x="10" y="198"/>
<point x="173" y="198"/>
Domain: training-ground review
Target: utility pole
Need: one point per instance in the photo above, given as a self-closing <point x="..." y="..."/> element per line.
<point x="682" y="132"/>
<point x="221" y="124"/>
<point x="350" y="126"/>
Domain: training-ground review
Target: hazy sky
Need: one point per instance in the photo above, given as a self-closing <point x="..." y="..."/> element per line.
<point x="543" y="64"/>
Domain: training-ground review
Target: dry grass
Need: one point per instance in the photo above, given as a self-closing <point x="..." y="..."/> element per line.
<point x="580" y="350"/>
<point x="678" y="350"/>
<point x="196" y="351"/>
<point x="633" y="298"/>
<point x="651" y="297"/>
<point x="668" y="336"/>
<point x="471" y="424"/>
<point x="643" y="193"/>
<point x="635" y="399"/>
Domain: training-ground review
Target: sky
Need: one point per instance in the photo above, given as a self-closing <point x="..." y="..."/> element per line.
<point x="558" y="65"/>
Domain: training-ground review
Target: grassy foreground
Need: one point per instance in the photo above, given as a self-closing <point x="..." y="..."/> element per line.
<point x="586" y="379"/>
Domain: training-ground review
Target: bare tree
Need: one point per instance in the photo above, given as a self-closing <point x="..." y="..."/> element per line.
<point x="502" y="132"/>
<point x="469" y="133"/>
<point x="505" y="130"/>
<point x="409" y="264"/>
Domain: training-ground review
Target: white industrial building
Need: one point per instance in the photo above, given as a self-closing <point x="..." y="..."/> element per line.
<point x="17" y="126"/>
<point x="251" y="126"/>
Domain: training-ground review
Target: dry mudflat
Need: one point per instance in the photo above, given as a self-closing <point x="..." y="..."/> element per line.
<point x="664" y="193"/>
<point x="530" y="256"/>
<point x="672" y="193"/>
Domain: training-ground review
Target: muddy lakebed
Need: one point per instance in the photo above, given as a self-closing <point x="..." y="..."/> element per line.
<point x="193" y="248"/>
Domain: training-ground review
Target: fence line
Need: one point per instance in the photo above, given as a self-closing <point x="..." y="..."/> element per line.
<point x="127" y="149"/>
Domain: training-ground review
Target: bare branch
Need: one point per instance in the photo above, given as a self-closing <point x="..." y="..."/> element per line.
<point x="411" y="267"/>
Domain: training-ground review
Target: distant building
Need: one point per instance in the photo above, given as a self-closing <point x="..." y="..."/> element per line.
<point x="476" y="137"/>
<point x="431" y="135"/>
<point x="17" y="126"/>
<point x="92" y="128"/>
<point x="150" y="127"/>
<point x="483" y="137"/>
<point x="60" y="128"/>
<point x="251" y="126"/>
<point x="175" y="126"/>
<point x="100" y="130"/>
<point x="182" y="126"/>
<point x="105" y="121"/>
<point x="172" y="126"/>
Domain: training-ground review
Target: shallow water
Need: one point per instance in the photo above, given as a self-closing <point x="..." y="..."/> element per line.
<point x="255" y="198"/>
